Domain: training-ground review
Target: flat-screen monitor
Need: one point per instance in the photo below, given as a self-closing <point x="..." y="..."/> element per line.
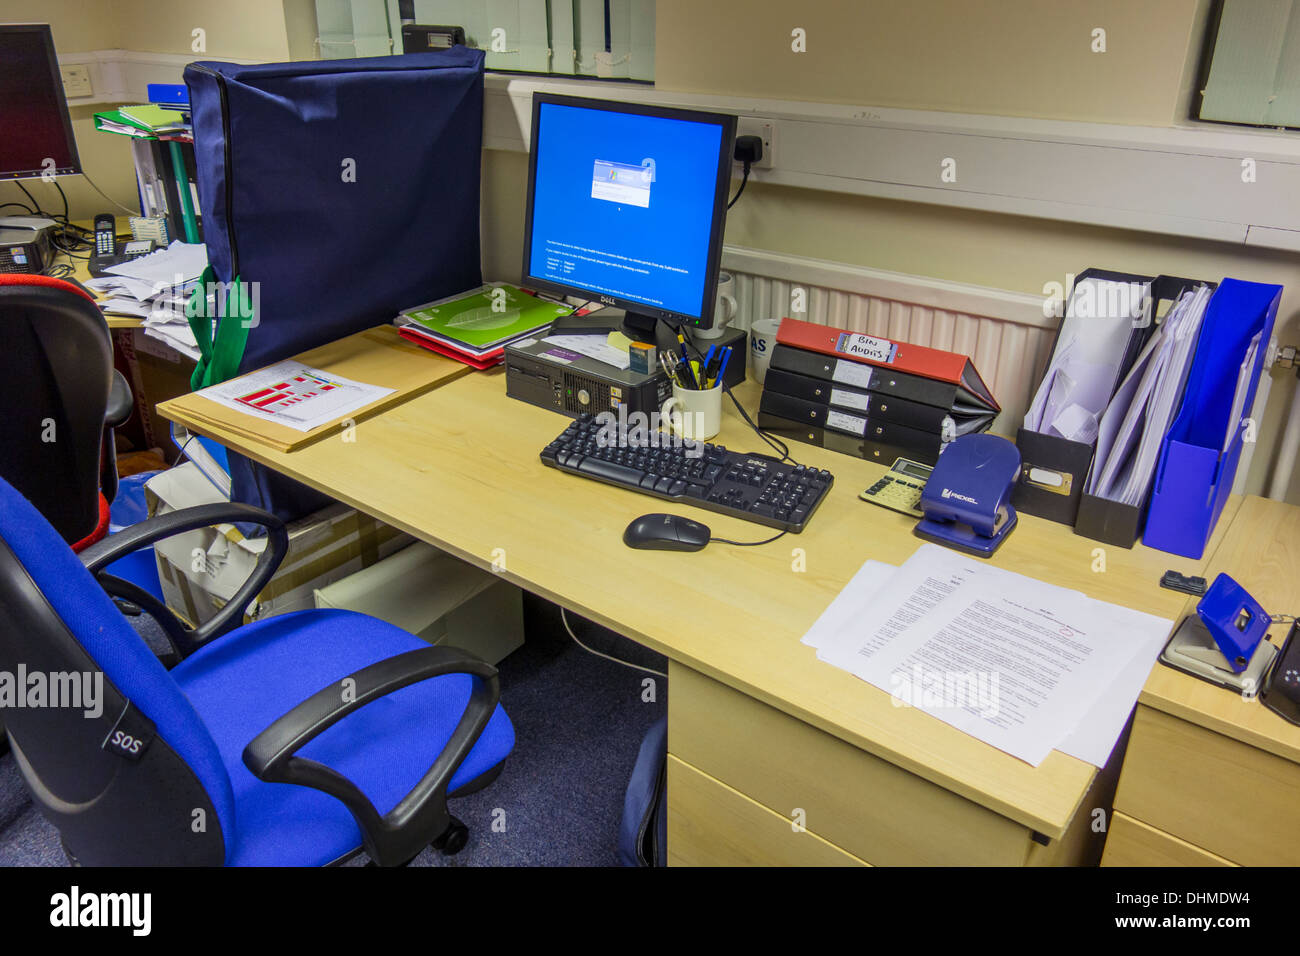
<point x="35" y="129"/>
<point x="626" y="206"/>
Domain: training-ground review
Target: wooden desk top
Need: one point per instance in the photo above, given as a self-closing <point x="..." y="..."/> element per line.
<point x="458" y="467"/>
<point x="1261" y="550"/>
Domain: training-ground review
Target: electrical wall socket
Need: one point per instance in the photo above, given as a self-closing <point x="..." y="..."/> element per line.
<point x="76" y="80"/>
<point x="759" y="127"/>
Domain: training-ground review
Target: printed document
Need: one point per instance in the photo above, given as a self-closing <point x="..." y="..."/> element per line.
<point x="1025" y="666"/>
<point x="295" y="395"/>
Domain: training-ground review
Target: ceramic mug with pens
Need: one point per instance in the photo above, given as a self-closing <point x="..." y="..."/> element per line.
<point x="694" y="413"/>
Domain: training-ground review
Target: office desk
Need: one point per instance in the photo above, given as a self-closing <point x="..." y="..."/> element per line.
<point x="758" y="728"/>
<point x="1211" y="778"/>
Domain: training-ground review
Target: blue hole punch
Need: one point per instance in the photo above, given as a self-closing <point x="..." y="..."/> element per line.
<point x="967" y="498"/>
<point x="1234" y="619"/>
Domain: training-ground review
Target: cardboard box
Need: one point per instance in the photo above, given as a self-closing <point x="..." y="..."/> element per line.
<point x="156" y="373"/>
<point x="438" y="598"/>
<point x="201" y="570"/>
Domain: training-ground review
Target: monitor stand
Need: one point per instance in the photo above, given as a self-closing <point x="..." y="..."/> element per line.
<point x="635" y="325"/>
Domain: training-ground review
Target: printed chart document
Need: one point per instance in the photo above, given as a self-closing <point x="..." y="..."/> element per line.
<point x="1025" y="666"/>
<point x="294" y="395"/>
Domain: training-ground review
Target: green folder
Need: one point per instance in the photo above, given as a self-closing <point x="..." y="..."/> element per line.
<point x="487" y="317"/>
<point x="156" y="119"/>
<point x="114" y="121"/>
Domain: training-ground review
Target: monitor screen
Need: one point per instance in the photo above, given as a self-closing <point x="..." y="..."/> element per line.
<point x="627" y="204"/>
<point x="36" y="132"/>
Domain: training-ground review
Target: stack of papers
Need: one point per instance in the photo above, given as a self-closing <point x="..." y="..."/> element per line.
<point x="597" y="346"/>
<point x="1103" y="321"/>
<point x="156" y="288"/>
<point x="1025" y="666"/>
<point x="145" y="121"/>
<point x="1139" y="416"/>
<point x="476" y="327"/>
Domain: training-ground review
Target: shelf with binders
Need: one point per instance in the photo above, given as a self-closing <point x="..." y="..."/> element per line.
<point x="165" y="169"/>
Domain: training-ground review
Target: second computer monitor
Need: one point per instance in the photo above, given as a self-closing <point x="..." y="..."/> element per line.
<point x="626" y="206"/>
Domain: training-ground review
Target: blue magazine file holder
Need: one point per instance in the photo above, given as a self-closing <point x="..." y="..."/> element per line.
<point x="1195" y="472"/>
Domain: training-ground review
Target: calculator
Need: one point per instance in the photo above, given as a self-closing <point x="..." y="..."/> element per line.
<point x="900" y="488"/>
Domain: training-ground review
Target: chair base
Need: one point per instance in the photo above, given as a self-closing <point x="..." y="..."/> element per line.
<point x="453" y="840"/>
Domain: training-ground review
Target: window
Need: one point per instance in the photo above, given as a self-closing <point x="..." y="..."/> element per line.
<point x="596" y="38"/>
<point x="1251" y="71"/>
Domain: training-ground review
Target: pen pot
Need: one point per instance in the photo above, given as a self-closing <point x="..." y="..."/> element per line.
<point x="694" y="413"/>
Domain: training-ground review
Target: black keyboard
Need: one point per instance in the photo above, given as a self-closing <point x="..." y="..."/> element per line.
<point x="758" y="488"/>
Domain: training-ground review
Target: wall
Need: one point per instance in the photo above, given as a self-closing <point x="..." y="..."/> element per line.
<point x="1009" y="57"/>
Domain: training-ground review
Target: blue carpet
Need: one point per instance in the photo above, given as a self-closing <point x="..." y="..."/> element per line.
<point x="578" y="720"/>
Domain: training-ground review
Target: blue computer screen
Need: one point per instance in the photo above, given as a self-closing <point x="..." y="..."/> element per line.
<point x="623" y="204"/>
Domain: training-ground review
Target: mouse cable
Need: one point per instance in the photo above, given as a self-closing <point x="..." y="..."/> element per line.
<point x="748" y="544"/>
<point x="617" y="660"/>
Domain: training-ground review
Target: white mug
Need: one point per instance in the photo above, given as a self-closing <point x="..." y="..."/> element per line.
<point x="725" y="308"/>
<point x="762" y="339"/>
<point x="694" y="413"/>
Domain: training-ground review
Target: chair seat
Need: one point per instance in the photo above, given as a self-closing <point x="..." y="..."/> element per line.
<point x="243" y="682"/>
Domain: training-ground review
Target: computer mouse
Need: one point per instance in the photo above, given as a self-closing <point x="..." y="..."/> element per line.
<point x="660" y="532"/>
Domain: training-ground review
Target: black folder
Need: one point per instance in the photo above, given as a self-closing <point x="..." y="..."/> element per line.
<point x="882" y="380"/>
<point x="845" y="432"/>
<point x="875" y="406"/>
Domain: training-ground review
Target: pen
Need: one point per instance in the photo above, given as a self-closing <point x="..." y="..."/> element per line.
<point x="712" y="362"/>
<point x="689" y="375"/>
<point x="722" y="369"/>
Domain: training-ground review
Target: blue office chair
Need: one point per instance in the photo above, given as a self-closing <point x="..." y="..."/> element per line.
<point x="298" y="740"/>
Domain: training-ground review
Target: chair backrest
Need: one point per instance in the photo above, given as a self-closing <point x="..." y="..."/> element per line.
<point x="56" y="360"/>
<point x="111" y="750"/>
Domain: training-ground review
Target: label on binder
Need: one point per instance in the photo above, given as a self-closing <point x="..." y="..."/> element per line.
<point x="852" y="373"/>
<point x="850" y="399"/>
<point x="867" y="347"/>
<point x="846" y="423"/>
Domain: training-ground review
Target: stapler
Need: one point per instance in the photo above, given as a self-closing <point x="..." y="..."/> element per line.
<point x="1224" y="642"/>
<point x="967" y="498"/>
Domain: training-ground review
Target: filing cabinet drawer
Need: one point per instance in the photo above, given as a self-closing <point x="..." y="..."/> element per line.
<point x="1132" y="843"/>
<point x="709" y="824"/>
<point x="1230" y="798"/>
<point x="868" y="807"/>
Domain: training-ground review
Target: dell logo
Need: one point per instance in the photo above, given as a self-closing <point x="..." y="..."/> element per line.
<point x="607" y="300"/>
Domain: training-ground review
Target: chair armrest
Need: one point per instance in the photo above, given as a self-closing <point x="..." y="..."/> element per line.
<point x="419" y="817"/>
<point x="105" y="552"/>
<point x="120" y="402"/>
<point x="177" y="634"/>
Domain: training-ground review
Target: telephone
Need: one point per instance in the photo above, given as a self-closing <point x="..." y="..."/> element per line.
<point x="107" y="251"/>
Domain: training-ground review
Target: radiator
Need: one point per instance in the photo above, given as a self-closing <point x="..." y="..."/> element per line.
<point x="1006" y="334"/>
